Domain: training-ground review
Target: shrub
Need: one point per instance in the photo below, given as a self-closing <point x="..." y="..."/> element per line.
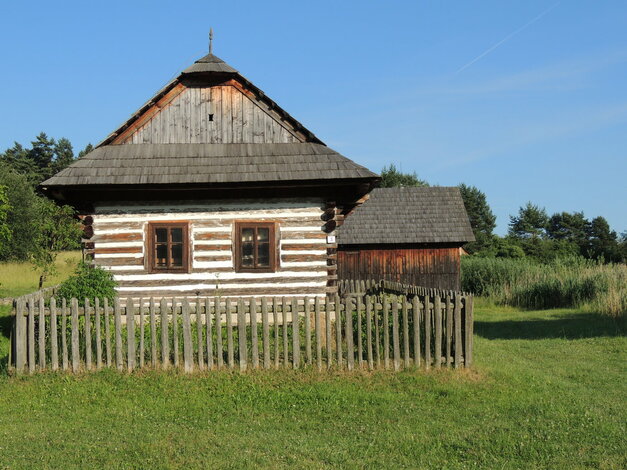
<point x="88" y="282"/>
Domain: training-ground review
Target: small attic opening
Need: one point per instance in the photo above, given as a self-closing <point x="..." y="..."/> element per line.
<point x="210" y="117"/>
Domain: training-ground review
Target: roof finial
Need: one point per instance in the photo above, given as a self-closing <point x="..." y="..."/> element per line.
<point x="210" y="40"/>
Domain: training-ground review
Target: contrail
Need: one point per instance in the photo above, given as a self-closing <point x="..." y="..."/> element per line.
<point x="507" y="38"/>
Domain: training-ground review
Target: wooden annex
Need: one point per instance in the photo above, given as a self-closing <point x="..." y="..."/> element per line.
<point x="408" y="235"/>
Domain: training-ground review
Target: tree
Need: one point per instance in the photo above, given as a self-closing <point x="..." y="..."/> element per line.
<point x="21" y="216"/>
<point x="5" y="207"/>
<point x="570" y="228"/>
<point x="88" y="148"/>
<point x="57" y="230"/>
<point x="531" y="222"/>
<point x="42" y="154"/>
<point x="603" y="242"/>
<point x="482" y="219"/>
<point x="391" y="177"/>
<point x="64" y="154"/>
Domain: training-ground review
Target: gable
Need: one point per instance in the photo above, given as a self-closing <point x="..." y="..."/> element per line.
<point x="224" y="113"/>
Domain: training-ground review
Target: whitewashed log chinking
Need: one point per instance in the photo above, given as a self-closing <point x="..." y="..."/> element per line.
<point x="211" y="188"/>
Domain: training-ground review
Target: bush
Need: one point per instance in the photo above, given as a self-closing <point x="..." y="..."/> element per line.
<point x="88" y="282"/>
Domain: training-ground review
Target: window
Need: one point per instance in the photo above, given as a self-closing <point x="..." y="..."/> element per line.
<point x="255" y="247"/>
<point x="168" y="247"/>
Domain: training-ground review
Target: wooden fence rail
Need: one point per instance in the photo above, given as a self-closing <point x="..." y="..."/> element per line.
<point x="354" y="332"/>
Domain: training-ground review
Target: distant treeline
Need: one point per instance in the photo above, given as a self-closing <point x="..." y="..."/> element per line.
<point x="532" y="234"/>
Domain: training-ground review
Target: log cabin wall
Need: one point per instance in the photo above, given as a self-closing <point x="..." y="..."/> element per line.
<point x="437" y="266"/>
<point x="120" y="245"/>
<point x="219" y="114"/>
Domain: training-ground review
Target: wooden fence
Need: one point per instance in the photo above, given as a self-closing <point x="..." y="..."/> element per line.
<point x="353" y="332"/>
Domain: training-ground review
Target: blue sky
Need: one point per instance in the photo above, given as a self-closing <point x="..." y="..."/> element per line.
<point x="526" y="100"/>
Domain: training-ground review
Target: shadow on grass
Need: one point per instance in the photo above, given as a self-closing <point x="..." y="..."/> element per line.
<point x="568" y="326"/>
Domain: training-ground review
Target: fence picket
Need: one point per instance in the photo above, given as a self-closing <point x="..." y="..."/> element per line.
<point x="142" y="327"/>
<point x="175" y="332"/>
<point x="130" y="334"/>
<point x="254" y="339"/>
<point x="405" y="331"/>
<point x="165" y="341"/>
<point x="266" y="333"/>
<point x="241" y="335"/>
<point x="350" y="338"/>
<point x="285" y="332"/>
<point x="369" y="332"/>
<point x="275" y="306"/>
<point x="386" y="334"/>
<point x="153" y="333"/>
<point x="360" y="352"/>
<point x="458" y="331"/>
<point x="229" y="334"/>
<point x="377" y="333"/>
<point x="416" y="314"/>
<point x="42" y="334"/>
<point x="209" y="333"/>
<point x="307" y="311"/>
<point x="437" y="320"/>
<point x="338" y="330"/>
<point x="218" y="313"/>
<point x="107" y="320"/>
<point x="427" y="312"/>
<point x="54" y="346"/>
<point x="188" y="347"/>
<point x="87" y="336"/>
<point x="295" y="334"/>
<point x="118" y="334"/>
<point x="75" y="349"/>
<point x="327" y="330"/>
<point x="448" y="308"/>
<point x="468" y="317"/>
<point x="20" y="337"/>
<point x="97" y="321"/>
<point x="395" y="339"/>
<point x="64" y="354"/>
<point x="199" y="339"/>
<point x="317" y="326"/>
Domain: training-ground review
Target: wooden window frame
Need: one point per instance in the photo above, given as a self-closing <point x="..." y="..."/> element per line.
<point x="274" y="246"/>
<point x="150" y="247"/>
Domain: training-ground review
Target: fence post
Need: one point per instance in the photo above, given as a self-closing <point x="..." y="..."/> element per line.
<point x="64" y="355"/>
<point x="405" y="331"/>
<point x="266" y="333"/>
<point x="253" y="333"/>
<point x="468" y="317"/>
<point x="42" y="334"/>
<point x="350" y="340"/>
<point x="31" y="335"/>
<point x="218" y="314"/>
<point x="87" y="336"/>
<point x="369" y="332"/>
<point x="396" y="344"/>
<point x="118" y="334"/>
<point x="201" y="354"/>
<point x="437" y="319"/>
<point x="427" y="317"/>
<point x="107" y="328"/>
<point x="317" y="326"/>
<point x="416" y="313"/>
<point x="458" y="331"/>
<point x="98" y="334"/>
<point x="209" y="331"/>
<point x="295" y="334"/>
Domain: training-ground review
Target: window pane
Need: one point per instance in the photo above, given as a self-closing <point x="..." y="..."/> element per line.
<point x="247" y="254"/>
<point x="177" y="256"/>
<point x="162" y="235"/>
<point x="263" y="255"/>
<point x="263" y="234"/>
<point x="177" y="235"/>
<point x="161" y="255"/>
<point x="247" y="235"/>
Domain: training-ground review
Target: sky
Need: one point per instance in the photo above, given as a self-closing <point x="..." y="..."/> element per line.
<point x="527" y="100"/>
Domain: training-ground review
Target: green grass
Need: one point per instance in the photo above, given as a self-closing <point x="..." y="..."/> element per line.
<point x="548" y="391"/>
<point x="18" y="278"/>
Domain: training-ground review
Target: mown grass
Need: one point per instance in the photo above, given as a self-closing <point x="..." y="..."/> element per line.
<point x="572" y="282"/>
<point x="547" y="392"/>
<point x="18" y="278"/>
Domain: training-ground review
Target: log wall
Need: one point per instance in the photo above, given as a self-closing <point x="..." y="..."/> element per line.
<point x="430" y="266"/>
<point x="119" y="244"/>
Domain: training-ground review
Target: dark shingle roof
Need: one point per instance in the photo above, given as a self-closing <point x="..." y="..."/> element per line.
<point x="207" y="163"/>
<point x="408" y="215"/>
<point x="210" y="63"/>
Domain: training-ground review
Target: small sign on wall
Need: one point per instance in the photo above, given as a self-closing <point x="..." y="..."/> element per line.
<point x="330" y="238"/>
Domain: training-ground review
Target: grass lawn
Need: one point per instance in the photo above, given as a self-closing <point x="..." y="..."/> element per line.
<point x="549" y="391"/>
<point x="18" y="278"/>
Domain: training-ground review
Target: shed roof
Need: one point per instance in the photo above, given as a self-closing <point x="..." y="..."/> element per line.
<point x="408" y="215"/>
<point x="207" y="163"/>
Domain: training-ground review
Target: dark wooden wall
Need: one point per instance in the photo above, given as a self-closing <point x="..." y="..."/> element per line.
<point x="435" y="265"/>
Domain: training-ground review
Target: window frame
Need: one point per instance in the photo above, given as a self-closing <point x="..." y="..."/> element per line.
<point x="151" y="266"/>
<point x="273" y="246"/>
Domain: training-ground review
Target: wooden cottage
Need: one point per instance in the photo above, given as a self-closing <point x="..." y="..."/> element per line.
<point x="211" y="188"/>
<point x="409" y="235"/>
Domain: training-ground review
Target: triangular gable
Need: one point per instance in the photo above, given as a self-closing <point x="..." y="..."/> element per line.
<point x="210" y="102"/>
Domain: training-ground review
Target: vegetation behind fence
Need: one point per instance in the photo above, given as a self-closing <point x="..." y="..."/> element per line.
<point x="431" y="329"/>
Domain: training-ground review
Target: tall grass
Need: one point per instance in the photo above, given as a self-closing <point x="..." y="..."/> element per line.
<point x="571" y="282"/>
